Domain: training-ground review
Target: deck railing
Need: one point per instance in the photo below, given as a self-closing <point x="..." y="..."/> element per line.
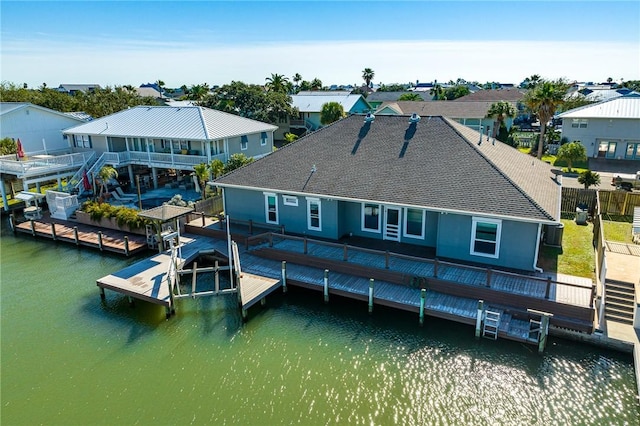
<point x="491" y="276"/>
<point x="40" y="166"/>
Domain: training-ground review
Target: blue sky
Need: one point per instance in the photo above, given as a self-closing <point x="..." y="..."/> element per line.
<point x="191" y="42"/>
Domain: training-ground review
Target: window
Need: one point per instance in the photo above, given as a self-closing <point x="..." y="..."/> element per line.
<point x="485" y="237"/>
<point x="244" y="142"/>
<point x="263" y="138"/>
<point x="290" y="200"/>
<point x="579" y="123"/>
<point x="633" y="151"/>
<point x="313" y="214"/>
<point x="271" y="207"/>
<point x="414" y="223"/>
<point x="371" y="217"/>
<point x="82" y="141"/>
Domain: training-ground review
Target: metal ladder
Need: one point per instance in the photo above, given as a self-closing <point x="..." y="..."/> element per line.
<point x="491" y="325"/>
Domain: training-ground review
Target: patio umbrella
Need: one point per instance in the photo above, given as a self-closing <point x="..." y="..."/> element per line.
<point x="85" y="181"/>
<point x="20" y="151"/>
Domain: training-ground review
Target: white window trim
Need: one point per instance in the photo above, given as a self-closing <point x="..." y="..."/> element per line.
<point x="266" y="207"/>
<point x="309" y="202"/>
<point x="474" y="224"/>
<point x="376" y="231"/>
<point x="290" y="200"/>
<point x="244" y="145"/>
<point x="404" y="224"/>
<point x="263" y="141"/>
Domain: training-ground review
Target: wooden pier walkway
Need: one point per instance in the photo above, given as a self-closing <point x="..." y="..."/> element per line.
<point x="83" y="235"/>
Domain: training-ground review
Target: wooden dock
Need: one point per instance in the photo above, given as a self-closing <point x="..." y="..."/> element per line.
<point x="83" y="235"/>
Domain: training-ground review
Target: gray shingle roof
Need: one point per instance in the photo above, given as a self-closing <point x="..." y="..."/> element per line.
<point x="187" y="122"/>
<point x="435" y="164"/>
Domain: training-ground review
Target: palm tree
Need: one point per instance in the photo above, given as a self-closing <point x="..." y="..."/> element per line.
<point x="160" y="85"/>
<point x="437" y="92"/>
<point x="331" y="111"/>
<point x="277" y="83"/>
<point x="499" y="111"/>
<point x="198" y="92"/>
<point x="105" y="174"/>
<point x="202" y="172"/>
<point x="589" y="178"/>
<point x="543" y="100"/>
<point x="410" y="97"/>
<point x="297" y="78"/>
<point x="316" y="84"/>
<point x="367" y="75"/>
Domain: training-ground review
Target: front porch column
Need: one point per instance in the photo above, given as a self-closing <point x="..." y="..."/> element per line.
<point x="38" y="187"/>
<point x="207" y="146"/>
<point x="154" y="174"/>
<point x="3" y="190"/>
<point x="226" y="150"/>
<point x="25" y="185"/>
<point x="132" y="178"/>
<point x="59" y="179"/>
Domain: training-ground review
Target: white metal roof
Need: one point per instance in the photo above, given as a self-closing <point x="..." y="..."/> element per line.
<point x="165" y="122"/>
<point x="313" y="103"/>
<point x="10" y="107"/>
<point x="622" y="107"/>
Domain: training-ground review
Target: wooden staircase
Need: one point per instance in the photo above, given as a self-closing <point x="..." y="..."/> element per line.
<point x="619" y="301"/>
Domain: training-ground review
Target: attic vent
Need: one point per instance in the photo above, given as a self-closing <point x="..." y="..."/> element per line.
<point x="369" y="118"/>
<point x="414" y="118"/>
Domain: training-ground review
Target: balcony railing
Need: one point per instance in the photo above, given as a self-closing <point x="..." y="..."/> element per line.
<point x="42" y="166"/>
<point x="157" y="159"/>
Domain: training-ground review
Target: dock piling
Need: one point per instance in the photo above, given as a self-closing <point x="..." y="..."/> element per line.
<point x="194" y="278"/>
<point x="102" y="295"/>
<point x="12" y="223"/>
<point x="75" y="235"/>
<point x="100" y="240"/>
<point x="544" y="331"/>
<point x="126" y="245"/>
<point x="53" y="231"/>
<point x="423" y="298"/>
<point x="370" y="295"/>
<point x="326" y="286"/>
<point x="33" y="227"/>
<point x="217" y="278"/>
<point x="284" y="276"/>
<point x="479" y="318"/>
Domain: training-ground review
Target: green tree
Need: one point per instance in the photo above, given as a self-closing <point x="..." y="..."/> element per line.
<point x="544" y="100"/>
<point x="575" y="101"/>
<point x="316" y="84"/>
<point x="410" y="97"/>
<point x="217" y="168"/>
<point x="456" y="92"/>
<point x="290" y="137"/>
<point x="160" y="85"/>
<point x="530" y="82"/>
<point x="500" y="111"/>
<point x="367" y="75"/>
<point x="297" y="78"/>
<point x="571" y="153"/>
<point x="331" y="111"/>
<point x="105" y="174"/>
<point x="391" y="88"/>
<point x="8" y="146"/>
<point x="589" y="178"/>
<point x="236" y="161"/>
<point x="198" y="92"/>
<point x="437" y="92"/>
<point x="277" y="83"/>
<point x="202" y="173"/>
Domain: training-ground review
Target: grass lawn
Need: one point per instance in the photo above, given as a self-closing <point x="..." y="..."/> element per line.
<point x="576" y="257"/>
<point x="617" y="231"/>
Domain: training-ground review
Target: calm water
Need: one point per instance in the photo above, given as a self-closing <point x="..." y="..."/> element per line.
<point x="68" y="359"/>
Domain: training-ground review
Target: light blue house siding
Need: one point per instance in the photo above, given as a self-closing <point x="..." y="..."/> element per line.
<point x="450" y="234"/>
<point x="361" y="106"/>
<point x="614" y="138"/>
<point x="455" y="234"/>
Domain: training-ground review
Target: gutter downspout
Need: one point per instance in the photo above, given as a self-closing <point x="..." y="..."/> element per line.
<point x="535" y="258"/>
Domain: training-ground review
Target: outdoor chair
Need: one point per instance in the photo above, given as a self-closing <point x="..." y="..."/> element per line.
<point x="124" y="195"/>
<point x="121" y="200"/>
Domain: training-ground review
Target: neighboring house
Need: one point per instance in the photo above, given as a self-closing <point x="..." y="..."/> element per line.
<point x="72" y="89"/>
<point x="601" y="94"/>
<point x="471" y="114"/>
<point x="159" y="137"/>
<point x="39" y="129"/>
<point x="426" y="181"/>
<point x="509" y="94"/>
<point x="310" y="104"/>
<point x="608" y="129"/>
<point x="376" y="99"/>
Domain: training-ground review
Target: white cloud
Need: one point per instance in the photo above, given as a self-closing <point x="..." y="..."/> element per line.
<point x="109" y="62"/>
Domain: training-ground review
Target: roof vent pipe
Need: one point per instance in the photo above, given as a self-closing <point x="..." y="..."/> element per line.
<point x="369" y="117"/>
<point x="414" y="118"/>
